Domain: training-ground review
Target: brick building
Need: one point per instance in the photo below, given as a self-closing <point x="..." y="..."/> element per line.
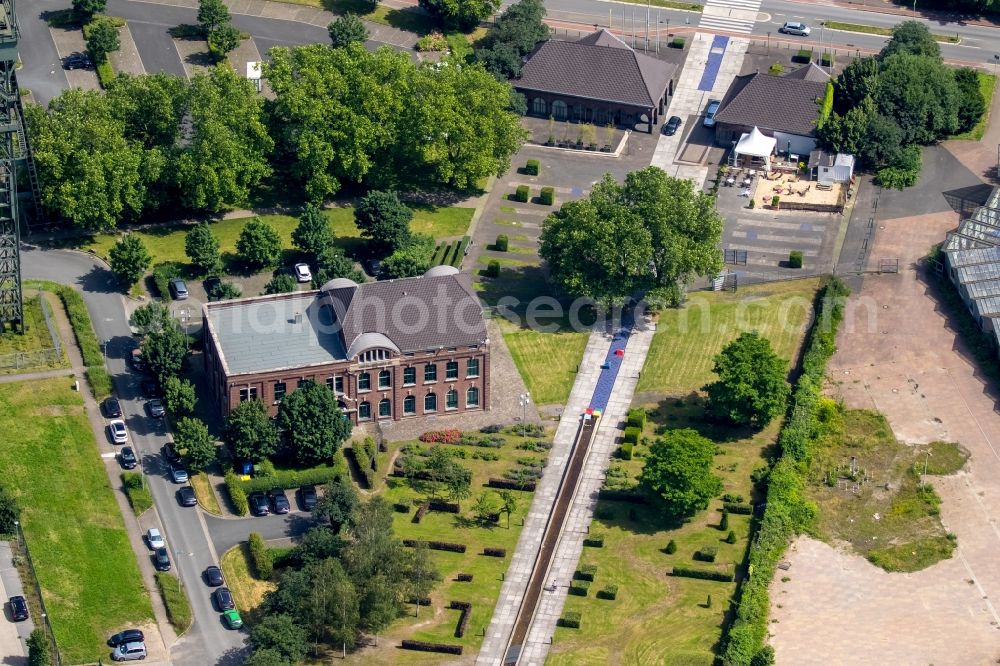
<point x="390" y="350"/>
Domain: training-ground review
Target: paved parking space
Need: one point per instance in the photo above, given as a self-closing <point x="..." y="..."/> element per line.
<point x="156" y="47"/>
<point x="71" y="41"/>
<point x="13" y="651"/>
<point x="126" y="60"/>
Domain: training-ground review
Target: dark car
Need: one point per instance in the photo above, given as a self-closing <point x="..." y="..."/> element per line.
<point x="279" y="502"/>
<point x="77" y="61"/>
<point x="127" y="636"/>
<point x="150" y="388"/>
<point x="156" y="408"/>
<point x="223" y="599"/>
<point x="258" y="504"/>
<point x="18" y="608"/>
<point x="213" y="576"/>
<point x="127" y="459"/>
<point x="212" y="285"/>
<point x="137" y="361"/>
<point x="185" y="496"/>
<point x="161" y="560"/>
<point x="112" y="408"/>
<point x="671" y="126"/>
<point x="307" y="497"/>
<point x="170" y="453"/>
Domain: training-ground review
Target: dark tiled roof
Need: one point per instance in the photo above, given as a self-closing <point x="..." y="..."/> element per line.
<point x="810" y="72"/>
<point x="773" y="103"/>
<point x="601" y="67"/>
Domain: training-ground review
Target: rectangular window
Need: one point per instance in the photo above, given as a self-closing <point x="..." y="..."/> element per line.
<point x="338" y="384"/>
<point x="301" y="383"/>
<point x="279" y="391"/>
<point x="409" y="376"/>
<point x="364" y="381"/>
<point x="329" y="383"/>
<point x="451" y="370"/>
<point x="451" y="400"/>
<point x="430" y="372"/>
<point x="249" y="393"/>
<point x="472" y="367"/>
<point x="409" y="405"/>
<point x="384" y="409"/>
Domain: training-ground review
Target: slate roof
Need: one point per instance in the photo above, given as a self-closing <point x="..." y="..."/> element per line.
<point x="773" y="103"/>
<point x="600" y="67"/>
<point x="811" y="72"/>
<point x="264" y="334"/>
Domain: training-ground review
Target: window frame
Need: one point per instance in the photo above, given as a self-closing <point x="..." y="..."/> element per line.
<point x="433" y="397"/>
<point x="430" y="373"/>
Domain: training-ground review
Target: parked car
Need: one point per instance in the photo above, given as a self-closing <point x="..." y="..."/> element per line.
<point x="119" y="433"/>
<point x="137" y="361"/>
<point x="795" y="28"/>
<point x="178" y="474"/>
<point x="232" y="619"/>
<point x="77" y="60"/>
<point x="710" y="111"/>
<point x="154" y="538"/>
<point x="18" y="608"/>
<point x="130" y="652"/>
<point x="186" y="496"/>
<point x="211" y="286"/>
<point x="258" y="504"/>
<point x="223" y="599"/>
<point x="302" y="273"/>
<point x="156" y="408"/>
<point x="213" y="576"/>
<point x="178" y="289"/>
<point x="112" y="408"/>
<point x="127" y="636"/>
<point x="279" y="502"/>
<point x="671" y="126"/>
<point x="170" y="452"/>
<point x="161" y="559"/>
<point x="307" y="497"/>
<point x="127" y="459"/>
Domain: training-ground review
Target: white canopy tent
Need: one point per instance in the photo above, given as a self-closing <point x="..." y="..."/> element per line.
<point x="756" y="145"/>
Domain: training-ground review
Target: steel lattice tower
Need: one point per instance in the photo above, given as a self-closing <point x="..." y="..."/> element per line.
<point x="13" y="150"/>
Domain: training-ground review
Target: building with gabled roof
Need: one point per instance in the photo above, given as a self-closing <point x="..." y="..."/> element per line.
<point x="598" y="79"/>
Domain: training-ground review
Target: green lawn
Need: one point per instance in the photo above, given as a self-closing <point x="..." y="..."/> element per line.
<point x="686" y="339"/>
<point x="36" y="337"/>
<point x="987" y="84"/>
<point x="547" y="361"/>
<point x="878" y="30"/>
<point x="410" y="19"/>
<point x="89" y="576"/>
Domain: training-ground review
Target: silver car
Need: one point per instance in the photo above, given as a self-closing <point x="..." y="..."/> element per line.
<point x="133" y="651"/>
<point x="710" y="111"/>
<point x="795" y="28"/>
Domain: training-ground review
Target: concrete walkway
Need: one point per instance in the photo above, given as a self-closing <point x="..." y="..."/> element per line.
<point x="42" y="374"/>
<point x="13" y="649"/>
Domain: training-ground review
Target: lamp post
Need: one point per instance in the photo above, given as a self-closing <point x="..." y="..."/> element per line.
<point x="524" y="400"/>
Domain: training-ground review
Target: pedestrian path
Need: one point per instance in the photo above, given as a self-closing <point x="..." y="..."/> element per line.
<point x="730" y="15"/>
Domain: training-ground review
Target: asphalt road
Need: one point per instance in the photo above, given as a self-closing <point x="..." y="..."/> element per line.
<point x="207" y="641"/>
<point x="42" y="71"/>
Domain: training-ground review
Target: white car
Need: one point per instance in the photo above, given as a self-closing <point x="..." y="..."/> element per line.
<point x="302" y="273"/>
<point x="794" y="28"/>
<point x="155" y="539"/>
<point x="119" y="433"/>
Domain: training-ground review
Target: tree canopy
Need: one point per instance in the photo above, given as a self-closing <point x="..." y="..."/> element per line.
<point x="751" y="388"/>
<point x="250" y="432"/>
<point x="384" y="220"/>
<point x="164" y="351"/>
<point x="192" y="437"/>
<point x="129" y="260"/>
<point x="202" y="248"/>
<point x="912" y="37"/>
<point x="315" y="424"/>
<point x="678" y="470"/>
<point x="102" y="38"/>
<point x="259" y="244"/>
<point x="312" y="235"/>
<point x="462" y="15"/>
<point x="347" y="29"/>
<point x="514" y="35"/>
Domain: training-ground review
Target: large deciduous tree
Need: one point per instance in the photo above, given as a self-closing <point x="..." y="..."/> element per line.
<point x="87" y="8"/>
<point x="751" y="388"/>
<point x="313" y="234"/>
<point x="152" y="316"/>
<point x="678" y="470"/>
<point x="461" y="14"/>
<point x="250" y="432"/>
<point x="179" y="395"/>
<point x="102" y="39"/>
<point x="281" y="633"/>
<point x="129" y="260"/>
<point x="150" y="106"/>
<point x="920" y="94"/>
<point x="911" y="37"/>
<point x="212" y="15"/>
<point x="191" y="435"/>
<point x="315" y="425"/>
<point x="259" y="245"/>
<point x="516" y="33"/>
<point x="384" y="220"/>
<point x="164" y="351"/>
<point x="202" y="248"/>
<point x="339" y="504"/>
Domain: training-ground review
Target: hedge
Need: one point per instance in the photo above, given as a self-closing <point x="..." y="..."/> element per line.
<point x="495" y="552"/>
<point x="579" y="588"/>
<point x="609" y="592"/>
<point x="570" y="620"/>
<point x="502" y="243"/>
<point x="741" y="509"/>
<point x="677" y="43"/>
<point x="260" y="559"/>
<point x="636" y="418"/>
<point x="547" y="196"/>
<point x="507" y="484"/>
<point x="585" y="572"/>
<point x="236" y="494"/>
<point x="365" y="453"/>
<point x="521" y="194"/>
<point x="444" y="507"/>
<point x="795" y="259"/>
<point x="493" y="269"/>
<point x="464" y="578"/>
<point x="706" y="554"/>
<point x="594" y="542"/>
<point x="176" y="602"/>
<point x="163" y="273"/>
<point x="437" y="545"/>
<point x="422" y="646"/>
<point x="402" y="506"/>
<point x="625" y="451"/>
<point x="291" y="478"/>
<point x="531" y="168"/>
<point x="421" y="511"/>
<point x="787" y="510"/>
<point x="632" y="435"/>
<point x="105" y="74"/>
<point x="138" y="494"/>
<point x="704" y="574"/>
<point x="627" y="496"/>
<point x="803" y="56"/>
<point x="86" y="339"/>
<point x="463" y="618"/>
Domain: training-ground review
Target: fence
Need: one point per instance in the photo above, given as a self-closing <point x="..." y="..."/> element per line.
<point x="31" y="359"/>
<point x="22" y="547"/>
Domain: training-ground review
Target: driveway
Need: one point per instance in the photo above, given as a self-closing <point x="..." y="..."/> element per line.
<point x="13" y="651"/>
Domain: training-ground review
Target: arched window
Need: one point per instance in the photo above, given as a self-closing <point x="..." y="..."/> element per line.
<point x="451" y="399"/>
<point x="384" y="408"/>
<point x="384" y="379"/>
<point x="559" y="109"/>
<point x="364" y="411"/>
<point x="472" y="397"/>
<point x="364" y="381"/>
<point x="538" y="106"/>
<point x="430" y="402"/>
<point x="409" y="405"/>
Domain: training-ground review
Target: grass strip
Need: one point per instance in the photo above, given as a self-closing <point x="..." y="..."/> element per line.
<point x="877" y="30"/>
<point x="669" y="4"/>
<point x="247" y="591"/>
<point x="206" y="495"/>
<point x="138" y="493"/>
<point x="178" y="608"/>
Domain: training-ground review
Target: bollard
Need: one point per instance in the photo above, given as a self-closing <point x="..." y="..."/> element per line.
<point x="76" y="385"/>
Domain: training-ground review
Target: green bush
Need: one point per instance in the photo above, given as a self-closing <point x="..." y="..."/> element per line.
<point x="795" y="259"/>
<point x="609" y="592"/>
<point x="138" y="493"/>
<point x="293" y="478"/>
<point x="163" y="273"/>
<point x="706" y="554"/>
<point x="105" y="75"/>
<point x="547" y="196"/>
<point x="625" y="451"/>
<point x="671" y="547"/>
<point x="742" y="509"/>
<point x="677" y="43"/>
<point x="502" y="243"/>
<point x="365" y="453"/>
<point x="493" y="269"/>
<point x="703" y="574"/>
<point x="38" y="649"/>
<point x="594" y="542"/>
<point x="776" y="69"/>
<point x="804" y="56"/>
<point x="585" y="572"/>
<point x="775" y="201"/>
<point x="632" y="435"/>
<point x="752" y="204"/>
<point x="731" y="537"/>
<point x="724" y="523"/>
<point x="236" y="494"/>
<point x="100" y="382"/>
<point x="176" y="602"/>
<point x="570" y="620"/>
<point x="402" y="505"/>
<point x="636" y="418"/>
<point x="521" y="194"/>
<point x="828" y="59"/>
<point x="531" y="168"/>
<point x="260" y="558"/>
<point x="579" y="588"/>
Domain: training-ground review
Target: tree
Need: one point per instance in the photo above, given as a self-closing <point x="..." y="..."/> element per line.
<point x="129" y="260"/>
<point x="38" y="649"/>
<point x="485" y="506"/>
<point x="283" y="283"/>
<point x="441" y="474"/>
<point x="102" y="38"/>
<point x="421" y="574"/>
<point x="281" y="633"/>
<point x="508" y="504"/>
<point x="153" y="316"/>
<point x="312" y="235"/>
<point x="920" y="94"/>
<point x="517" y="30"/>
<point x="911" y="37"/>
<point x="461" y="15"/>
<point x="226" y="290"/>
<point x="971" y="104"/>
<point x="903" y="171"/>
<point x="87" y="8"/>
<point x="212" y="15"/>
<point x="191" y="435"/>
<point x="164" y="351"/>
<point x="858" y="81"/>
<point x="150" y="106"/>
<point x="202" y="249"/>
<point x="678" y="469"/>
<point x="259" y="245"/>
<point x="333" y="264"/>
<point x="384" y="220"/>
<point x="226" y="155"/>
<point x="316" y="427"/>
<point x="250" y="432"/>
<point x="9" y="511"/>
<point x="319" y="543"/>
<point x="597" y="247"/>
<point x="339" y="504"/>
<point x="223" y="40"/>
<point x="266" y="657"/>
<point x="502" y="60"/>
<point x="347" y="29"/>
<point x="179" y="395"/>
<point x="411" y="260"/>
<point x="752" y="386"/>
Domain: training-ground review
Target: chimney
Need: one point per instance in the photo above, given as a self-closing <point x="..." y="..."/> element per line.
<point x="298" y="317"/>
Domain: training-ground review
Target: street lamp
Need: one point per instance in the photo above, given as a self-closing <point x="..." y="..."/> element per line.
<point x="524" y="400"/>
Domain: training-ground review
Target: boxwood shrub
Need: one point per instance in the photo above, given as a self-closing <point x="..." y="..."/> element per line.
<point x="502" y="243"/>
<point x="742" y="509"/>
<point x="636" y="418"/>
<point x="706" y="554"/>
<point x="609" y="592"/>
<point x="292" y="478"/>
<point x="570" y="620"/>
<point x="547" y="196"/>
<point x="236" y="494"/>
<point x="586" y="572"/>
<point x="795" y="259"/>
<point x="521" y="193"/>
<point x="625" y="451"/>
<point x="594" y="542"/>
<point x="579" y="588"/>
<point x="531" y="167"/>
<point x="632" y="435"/>
<point x="493" y="269"/>
<point x="438" y="545"/>
<point x="423" y="646"/>
<point x="704" y="574"/>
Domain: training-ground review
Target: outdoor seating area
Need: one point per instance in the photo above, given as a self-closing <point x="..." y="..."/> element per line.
<point x="790" y="188"/>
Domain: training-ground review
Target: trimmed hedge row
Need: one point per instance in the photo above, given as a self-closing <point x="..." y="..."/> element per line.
<point x="636" y="418"/>
<point x="422" y="646"/>
<point x="86" y="339"/>
<point x="585" y="572"/>
<point x="570" y="620"/>
<point x="464" y="578"/>
<point x="520" y="194"/>
<point x="609" y="592"/>
<point x="507" y="484"/>
<point x="706" y="554"/>
<point x="444" y="507"/>
<point x="291" y="478"/>
<point x="579" y="588"/>
<point x="627" y="496"/>
<point x="421" y="512"/>
<point x="787" y="511"/>
<point x="703" y="574"/>
<point x="547" y="196"/>
<point x="742" y="509"/>
<point x="463" y="618"/>
<point x="237" y="494"/>
<point x="632" y="435"/>
<point x="365" y="454"/>
<point x="437" y="545"/>
<point x="594" y="542"/>
<point x="495" y="552"/>
<point x="263" y="565"/>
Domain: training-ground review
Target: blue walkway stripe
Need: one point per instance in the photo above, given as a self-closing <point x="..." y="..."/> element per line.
<point x="612" y="364"/>
<point x="715" y="54"/>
